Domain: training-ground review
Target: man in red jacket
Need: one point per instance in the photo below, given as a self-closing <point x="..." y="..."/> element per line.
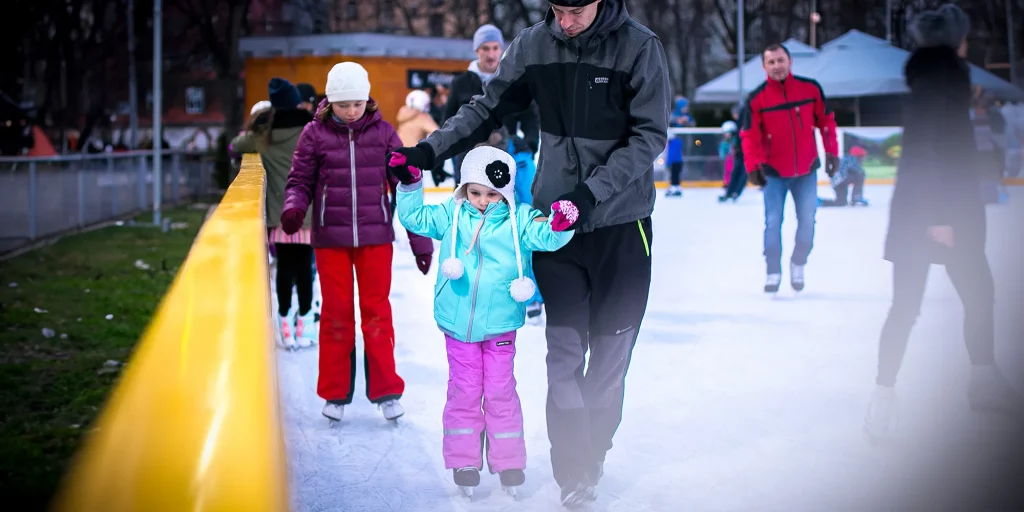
<point x="781" y="155"/>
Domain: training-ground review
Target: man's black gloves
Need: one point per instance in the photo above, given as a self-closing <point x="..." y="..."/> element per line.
<point x="756" y="177"/>
<point x="584" y="200"/>
<point x="420" y="156"/>
<point x="831" y="165"/>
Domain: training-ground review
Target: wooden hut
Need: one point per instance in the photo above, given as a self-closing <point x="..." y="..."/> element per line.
<point x="396" y="64"/>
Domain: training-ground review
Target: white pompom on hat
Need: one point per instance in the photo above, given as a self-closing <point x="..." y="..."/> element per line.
<point x="418" y="100"/>
<point x="347" y="81"/>
<point x="496" y="169"/>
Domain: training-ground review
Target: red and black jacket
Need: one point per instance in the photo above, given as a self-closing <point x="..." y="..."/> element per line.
<point x="778" y="128"/>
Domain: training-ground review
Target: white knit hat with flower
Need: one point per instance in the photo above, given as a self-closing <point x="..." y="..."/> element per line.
<point x="494" y="168"/>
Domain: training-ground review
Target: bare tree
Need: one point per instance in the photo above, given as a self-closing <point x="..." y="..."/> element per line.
<point x="217" y="25"/>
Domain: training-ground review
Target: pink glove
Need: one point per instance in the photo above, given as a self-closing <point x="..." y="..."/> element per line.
<point x="564" y="215"/>
<point x="405" y="173"/>
<point x="291" y="220"/>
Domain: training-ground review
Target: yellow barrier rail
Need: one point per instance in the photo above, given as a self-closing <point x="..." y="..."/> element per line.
<point x="194" y="423"/>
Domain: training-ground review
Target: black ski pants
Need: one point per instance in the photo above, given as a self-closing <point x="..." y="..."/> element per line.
<point x="595" y="290"/>
<point x="294" y="269"/>
<point x="972" y="278"/>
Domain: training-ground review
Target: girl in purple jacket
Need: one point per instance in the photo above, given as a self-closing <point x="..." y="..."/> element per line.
<point x="340" y="167"/>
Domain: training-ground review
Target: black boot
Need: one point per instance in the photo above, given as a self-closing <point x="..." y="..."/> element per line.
<point x="512" y="477"/>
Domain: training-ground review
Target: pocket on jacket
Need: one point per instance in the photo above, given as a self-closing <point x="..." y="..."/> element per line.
<point x="445" y="308"/>
<point x="503" y="312"/>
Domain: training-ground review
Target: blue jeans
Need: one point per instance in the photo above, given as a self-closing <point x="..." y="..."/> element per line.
<point x="805" y="197"/>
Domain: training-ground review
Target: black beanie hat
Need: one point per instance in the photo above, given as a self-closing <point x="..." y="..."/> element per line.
<point x="283" y="94"/>
<point x="571" y="3"/>
<point x="306" y="92"/>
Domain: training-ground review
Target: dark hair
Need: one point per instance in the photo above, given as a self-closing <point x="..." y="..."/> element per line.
<point x="773" y="47"/>
<point x="260" y="124"/>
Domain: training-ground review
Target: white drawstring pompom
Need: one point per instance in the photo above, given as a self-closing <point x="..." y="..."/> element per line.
<point x="452" y="268"/>
<point x="522" y="289"/>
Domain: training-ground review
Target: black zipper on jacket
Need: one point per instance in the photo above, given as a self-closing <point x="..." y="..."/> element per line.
<point x="572" y="139"/>
<point x="792" y="127"/>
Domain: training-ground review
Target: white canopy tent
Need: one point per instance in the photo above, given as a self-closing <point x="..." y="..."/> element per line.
<point x="853" y="65"/>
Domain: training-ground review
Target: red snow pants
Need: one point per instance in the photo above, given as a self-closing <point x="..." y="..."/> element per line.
<point x="337" y="379"/>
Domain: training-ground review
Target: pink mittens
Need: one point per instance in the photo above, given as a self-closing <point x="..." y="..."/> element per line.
<point x="564" y="215"/>
<point x="405" y="173"/>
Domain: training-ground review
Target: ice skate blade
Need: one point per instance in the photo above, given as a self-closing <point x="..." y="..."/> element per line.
<point x="466" y="491"/>
<point x="580" y="497"/>
<point x="511" y="490"/>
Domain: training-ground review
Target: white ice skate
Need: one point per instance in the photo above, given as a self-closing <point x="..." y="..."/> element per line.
<point x="882" y="420"/>
<point x="796" y="276"/>
<point x="989" y="392"/>
<point x="306" y="330"/>
<point x="333" y="411"/>
<point x="392" y="409"/>
<point x="285" y="337"/>
<point x="578" y="495"/>
<point x="772" y="282"/>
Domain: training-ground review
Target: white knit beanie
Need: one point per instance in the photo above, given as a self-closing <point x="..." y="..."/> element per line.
<point x="258" y="107"/>
<point x="494" y="168"/>
<point x="347" y="81"/>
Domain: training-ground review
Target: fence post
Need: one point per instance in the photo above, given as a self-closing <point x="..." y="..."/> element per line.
<point x="141" y="185"/>
<point x="176" y="177"/>
<point x="81" y="193"/>
<point x="32" y="206"/>
<point x="115" y="190"/>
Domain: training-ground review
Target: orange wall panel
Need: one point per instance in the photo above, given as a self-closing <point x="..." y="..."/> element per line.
<point x="387" y="76"/>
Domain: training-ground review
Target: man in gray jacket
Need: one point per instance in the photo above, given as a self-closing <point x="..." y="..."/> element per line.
<point x="601" y="84"/>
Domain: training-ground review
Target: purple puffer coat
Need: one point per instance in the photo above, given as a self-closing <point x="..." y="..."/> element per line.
<point x="342" y="169"/>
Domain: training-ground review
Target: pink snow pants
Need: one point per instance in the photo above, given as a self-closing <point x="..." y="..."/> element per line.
<point x="483" y="371"/>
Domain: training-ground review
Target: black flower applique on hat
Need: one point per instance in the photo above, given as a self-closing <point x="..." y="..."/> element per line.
<point x="498" y="173"/>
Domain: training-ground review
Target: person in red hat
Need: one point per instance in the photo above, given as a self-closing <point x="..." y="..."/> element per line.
<point x="851" y="173"/>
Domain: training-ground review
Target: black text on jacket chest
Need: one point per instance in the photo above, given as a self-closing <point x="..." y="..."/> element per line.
<point x="581" y="100"/>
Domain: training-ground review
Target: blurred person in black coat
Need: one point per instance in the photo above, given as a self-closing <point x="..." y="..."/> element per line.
<point x="937" y="216"/>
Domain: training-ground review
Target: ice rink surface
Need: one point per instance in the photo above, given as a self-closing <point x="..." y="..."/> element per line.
<point x="735" y="401"/>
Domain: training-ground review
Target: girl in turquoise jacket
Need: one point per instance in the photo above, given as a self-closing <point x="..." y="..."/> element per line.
<point x="479" y="302"/>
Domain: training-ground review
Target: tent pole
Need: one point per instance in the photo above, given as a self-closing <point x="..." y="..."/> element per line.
<point x="741" y="53"/>
<point x="888" y="20"/>
<point x="856" y="111"/>
<point x="1010" y="42"/>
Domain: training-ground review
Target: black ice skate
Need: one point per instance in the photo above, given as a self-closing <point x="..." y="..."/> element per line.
<point x="466" y="479"/>
<point x="511" y="479"/>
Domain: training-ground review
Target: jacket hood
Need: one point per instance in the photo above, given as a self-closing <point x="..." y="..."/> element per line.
<point x="280" y="119"/>
<point x="934" y="63"/>
<point x="611" y="15"/>
<point x="406" y="114"/>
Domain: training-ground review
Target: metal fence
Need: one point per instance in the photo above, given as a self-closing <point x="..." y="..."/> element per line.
<point x="43" y="196"/>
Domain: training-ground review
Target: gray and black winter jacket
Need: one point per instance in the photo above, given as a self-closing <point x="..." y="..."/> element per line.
<point x="604" y="101"/>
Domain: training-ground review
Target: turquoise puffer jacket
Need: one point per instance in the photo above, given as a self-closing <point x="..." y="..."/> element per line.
<point x="478" y="306"/>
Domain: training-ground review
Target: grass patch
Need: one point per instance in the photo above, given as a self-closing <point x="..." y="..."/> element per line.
<point x="880" y="171"/>
<point x="52" y="384"/>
